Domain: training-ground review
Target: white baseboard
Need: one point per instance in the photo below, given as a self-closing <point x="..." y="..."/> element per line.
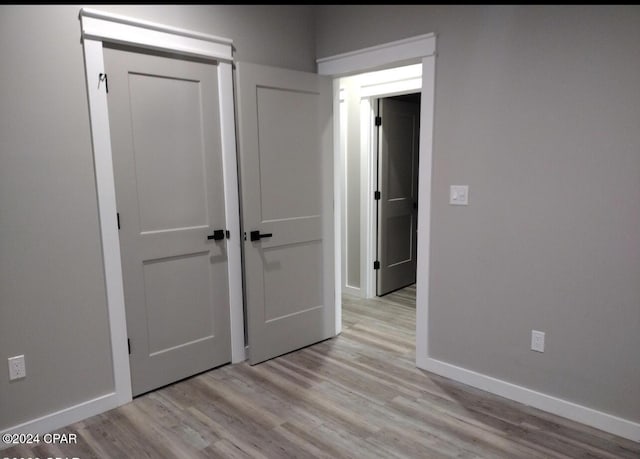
<point x="579" y="413"/>
<point x="351" y="290"/>
<point x="62" y="418"/>
<point x="588" y="416"/>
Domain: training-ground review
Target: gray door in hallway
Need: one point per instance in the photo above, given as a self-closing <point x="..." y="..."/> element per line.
<point x="398" y="186"/>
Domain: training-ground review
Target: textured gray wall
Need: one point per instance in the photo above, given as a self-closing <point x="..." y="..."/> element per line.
<point x="352" y="189"/>
<point x="52" y="295"/>
<point x="537" y="109"/>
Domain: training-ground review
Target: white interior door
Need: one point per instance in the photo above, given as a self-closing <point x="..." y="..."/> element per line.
<point x="398" y="185"/>
<point x="165" y="136"/>
<point x="286" y="175"/>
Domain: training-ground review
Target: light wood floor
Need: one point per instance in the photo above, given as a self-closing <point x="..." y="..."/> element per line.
<point x="358" y="396"/>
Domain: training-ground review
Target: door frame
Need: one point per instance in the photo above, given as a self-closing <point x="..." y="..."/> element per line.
<point x="419" y="49"/>
<point x="366" y="88"/>
<point x="99" y="28"/>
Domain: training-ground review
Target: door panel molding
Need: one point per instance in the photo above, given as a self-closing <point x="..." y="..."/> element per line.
<point x="99" y="28"/>
<point x="167" y="158"/>
<point x="287" y="187"/>
<point x="397" y="153"/>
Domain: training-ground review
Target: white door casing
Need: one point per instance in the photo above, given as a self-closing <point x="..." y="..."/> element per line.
<point x="99" y="27"/>
<point x="287" y="195"/>
<point x="419" y="49"/>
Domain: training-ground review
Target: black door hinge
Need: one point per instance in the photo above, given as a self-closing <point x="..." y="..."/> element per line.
<point x="376" y="264"/>
<point x="228" y="234"/>
<point x="103" y="77"/>
<point x="376" y="195"/>
<point x="378" y="121"/>
<point x="118" y="217"/>
<point x="129" y="345"/>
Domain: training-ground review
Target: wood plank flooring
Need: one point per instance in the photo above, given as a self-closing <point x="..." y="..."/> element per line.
<point x="355" y="396"/>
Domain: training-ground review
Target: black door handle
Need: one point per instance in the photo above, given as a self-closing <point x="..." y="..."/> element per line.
<point x="217" y="235"/>
<point x="256" y="236"/>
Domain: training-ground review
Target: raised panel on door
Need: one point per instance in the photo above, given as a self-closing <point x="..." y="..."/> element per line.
<point x="398" y="185"/>
<point x="165" y="137"/>
<point x="287" y="192"/>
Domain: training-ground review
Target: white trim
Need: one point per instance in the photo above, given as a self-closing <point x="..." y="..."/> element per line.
<point x="579" y="413"/>
<point x="232" y="209"/>
<point x="100" y="27"/>
<point x="394" y="88"/>
<point x="106" y="193"/>
<point x="421" y="48"/>
<point x="395" y="81"/>
<point x="338" y="196"/>
<point x="117" y="18"/>
<point x="393" y="53"/>
<point x="425" y="180"/>
<point x="115" y="28"/>
<point x="368" y="152"/>
<point x="62" y="418"/>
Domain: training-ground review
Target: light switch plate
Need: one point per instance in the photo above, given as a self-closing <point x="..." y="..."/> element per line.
<point x="459" y="195"/>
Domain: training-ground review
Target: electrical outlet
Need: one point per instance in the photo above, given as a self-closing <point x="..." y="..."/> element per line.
<point x="17" y="368"/>
<point x="459" y="195"/>
<point x="537" y="341"/>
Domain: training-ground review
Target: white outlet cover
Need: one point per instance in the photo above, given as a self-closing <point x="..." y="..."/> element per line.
<point x="537" y="341"/>
<point x="459" y="195"/>
<point x="17" y="368"/>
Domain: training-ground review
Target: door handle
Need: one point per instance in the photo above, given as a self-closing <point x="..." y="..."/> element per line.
<point x="217" y="235"/>
<point x="256" y="236"/>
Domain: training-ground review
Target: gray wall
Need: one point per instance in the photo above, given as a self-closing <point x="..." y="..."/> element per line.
<point x="537" y="109"/>
<point x="351" y="125"/>
<point x="52" y="295"/>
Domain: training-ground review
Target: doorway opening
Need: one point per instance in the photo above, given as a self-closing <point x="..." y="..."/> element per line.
<point x="363" y="242"/>
<point x="379" y="148"/>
